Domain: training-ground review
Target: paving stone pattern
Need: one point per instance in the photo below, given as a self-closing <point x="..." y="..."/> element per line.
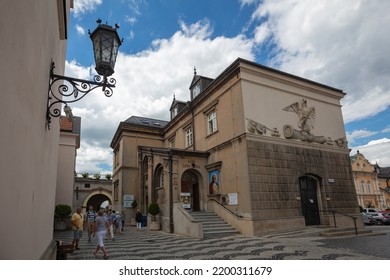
<point x="296" y="245"/>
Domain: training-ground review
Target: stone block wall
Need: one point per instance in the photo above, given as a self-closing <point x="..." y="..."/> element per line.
<point x="274" y="172"/>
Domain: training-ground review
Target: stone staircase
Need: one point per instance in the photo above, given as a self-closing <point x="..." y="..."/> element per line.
<point x="213" y="225"/>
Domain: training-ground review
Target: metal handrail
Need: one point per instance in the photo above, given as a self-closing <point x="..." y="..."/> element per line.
<point x="334" y="218"/>
<point x="231" y="212"/>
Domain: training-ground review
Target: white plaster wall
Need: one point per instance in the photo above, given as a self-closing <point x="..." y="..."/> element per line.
<point x="66" y="169"/>
<point x="266" y="95"/>
<point x="30" y="39"/>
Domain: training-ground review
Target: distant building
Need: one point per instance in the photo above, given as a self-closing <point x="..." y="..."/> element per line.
<point x="366" y="180"/>
<point x="383" y="174"/>
<point x="254" y="145"/>
<point x="91" y="191"/>
<point x="67" y="152"/>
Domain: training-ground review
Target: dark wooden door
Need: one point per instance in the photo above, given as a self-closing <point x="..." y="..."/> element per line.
<point x="309" y="201"/>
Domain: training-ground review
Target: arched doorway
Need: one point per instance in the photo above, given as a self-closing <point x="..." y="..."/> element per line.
<point x="309" y="200"/>
<point x="97" y="200"/>
<point x="158" y="191"/>
<point x="145" y="183"/>
<point x="190" y="184"/>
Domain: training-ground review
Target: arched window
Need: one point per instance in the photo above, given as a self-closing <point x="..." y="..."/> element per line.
<point x="362" y="186"/>
<point x="158" y="185"/>
<point x="368" y="187"/>
<point x="145" y="174"/>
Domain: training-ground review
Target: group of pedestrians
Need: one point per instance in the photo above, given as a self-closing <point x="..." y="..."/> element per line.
<point x="100" y="224"/>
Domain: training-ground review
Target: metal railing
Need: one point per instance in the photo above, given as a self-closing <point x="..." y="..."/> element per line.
<point x="334" y="218"/>
<point x="230" y="211"/>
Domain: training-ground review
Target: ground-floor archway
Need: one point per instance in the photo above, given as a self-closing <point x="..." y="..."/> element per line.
<point x="96" y="200"/>
<point x="190" y="186"/>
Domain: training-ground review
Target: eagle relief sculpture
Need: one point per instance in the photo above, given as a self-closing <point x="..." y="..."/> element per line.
<point x="306" y="118"/>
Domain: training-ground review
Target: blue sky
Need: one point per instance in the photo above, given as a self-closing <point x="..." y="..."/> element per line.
<point x="343" y="44"/>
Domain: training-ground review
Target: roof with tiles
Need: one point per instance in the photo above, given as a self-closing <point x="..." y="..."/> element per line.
<point x="148" y="122"/>
<point x="70" y="126"/>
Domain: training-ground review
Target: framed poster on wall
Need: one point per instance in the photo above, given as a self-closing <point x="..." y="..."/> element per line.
<point x="214" y="182"/>
<point x="186" y="200"/>
<point x="128" y="200"/>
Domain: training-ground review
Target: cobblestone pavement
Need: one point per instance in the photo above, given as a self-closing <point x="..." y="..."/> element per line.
<point x="305" y="244"/>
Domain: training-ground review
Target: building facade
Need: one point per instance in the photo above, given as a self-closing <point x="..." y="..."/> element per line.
<point x="67" y="152"/>
<point x="253" y="145"/>
<point x="34" y="34"/>
<point x="91" y="191"/>
<point x="384" y="183"/>
<point x="366" y="183"/>
<point x="371" y="183"/>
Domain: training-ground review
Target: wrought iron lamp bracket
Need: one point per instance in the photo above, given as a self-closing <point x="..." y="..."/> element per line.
<point x="65" y="90"/>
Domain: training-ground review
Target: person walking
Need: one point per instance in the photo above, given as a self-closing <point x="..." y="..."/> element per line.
<point x="101" y="224"/>
<point x="118" y="223"/>
<point x="138" y="219"/>
<point x="110" y="222"/>
<point x="90" y="217"/>
<point x="77" y="221"/>
<point x="123" y="217"/>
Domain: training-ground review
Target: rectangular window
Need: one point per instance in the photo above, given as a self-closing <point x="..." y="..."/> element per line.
<point x="116" y="156"/>
<point x="87" y="185"/>
<point x="211" y="122"/>
<point x="172" y="142"/>
<point x="189" y="136"/>
<point x="174" y="112"/>
<point x="116" y="190"/>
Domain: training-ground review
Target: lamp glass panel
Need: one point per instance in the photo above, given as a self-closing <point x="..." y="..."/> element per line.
<point x="106" y="46"/>
<point x="96" y="47"/>
<point x="115" y="47"/>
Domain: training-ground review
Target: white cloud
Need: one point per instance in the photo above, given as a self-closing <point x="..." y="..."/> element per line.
<point x="130" y="19"/>
<point x="146" y="83"/>
<point x="387" y="129"/>
<point x="135" y="6"/>
<point x="73" y="69"/>
<point x="338" y="43"/>
<point x="358" y="134"/>
<point x="247" y="2"/>
<point x="80" y="30"/>
<point x="90" y="157"/>
<point x="262" y="33"/>
<point x="84" y="6"/>
<point x="374" y="152"/>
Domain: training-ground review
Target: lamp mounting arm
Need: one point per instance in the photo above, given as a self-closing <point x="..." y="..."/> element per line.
<point x="65" y="90"/>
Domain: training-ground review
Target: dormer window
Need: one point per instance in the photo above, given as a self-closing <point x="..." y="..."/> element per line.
<point x="198" y="85"/>
<point x="174" y="112"/>
<point x="196" y="90"/>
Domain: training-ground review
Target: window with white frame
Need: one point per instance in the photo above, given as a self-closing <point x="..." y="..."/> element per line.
<point x="211" y="122"/>
<point x="172" y="142"/>
<point x="188" y="136"/>
<point x="368" y="187"/>
<point x="362" y="186"/>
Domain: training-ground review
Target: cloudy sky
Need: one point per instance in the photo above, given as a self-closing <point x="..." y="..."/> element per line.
<point x="343" y="44"/>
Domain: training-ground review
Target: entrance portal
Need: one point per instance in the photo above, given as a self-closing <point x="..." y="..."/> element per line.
<point x="190" y="184"/>
<point x="97" y="200"/>
<point x="309" y="200"/>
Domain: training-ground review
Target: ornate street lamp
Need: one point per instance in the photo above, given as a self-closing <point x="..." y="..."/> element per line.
<point x="106" y="43"/>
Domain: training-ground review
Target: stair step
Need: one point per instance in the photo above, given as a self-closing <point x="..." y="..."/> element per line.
<point x="213" y="225"/>
<point x="216" y="228"/>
